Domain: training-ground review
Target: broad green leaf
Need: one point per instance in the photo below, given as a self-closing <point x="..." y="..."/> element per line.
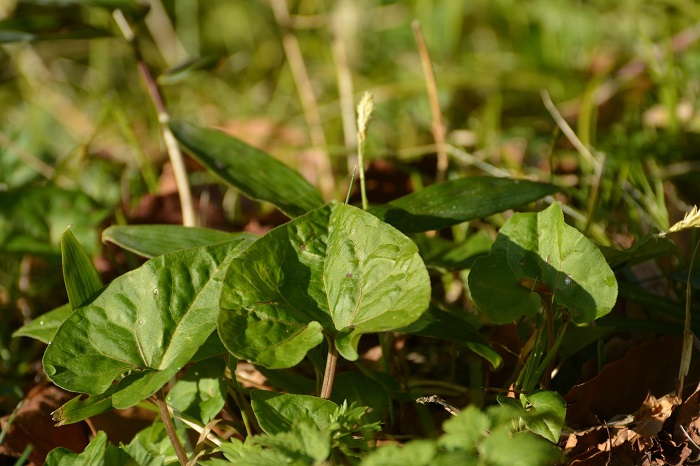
<point x="539" y="255"/>
<point x="201" y="393"/>
<point x="450" y="202"/>
<point x="79" y="274"/>
<point x="253" y="172"/>
<point x="437" y="323"/>
<point x="276" y="412"/>
<point x="45" y="326"/>
<point x="155" y="240"/>
<point x="546" y="411"/>
<point x="336" y="270"/>
<point x="150" y="321"/>
<point x="79" y="408"/>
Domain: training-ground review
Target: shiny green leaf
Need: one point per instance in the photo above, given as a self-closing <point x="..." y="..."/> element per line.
<point x="248" y="169"/>
<point x="336" y="270"/>
<point x="539" y="255"/>
<point x="155" y="240"/>
<point x="45" y="326"/>
<point x="444" y="204"/>
<point x="150" y="321"/>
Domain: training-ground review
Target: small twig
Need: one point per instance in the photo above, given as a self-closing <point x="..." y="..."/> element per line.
<point x="176" y="159"/>
<point x="306" y="94"/>
<point x="170" y="427"/>
<point x="431" y="85"/>
<point x="436" y="399"/>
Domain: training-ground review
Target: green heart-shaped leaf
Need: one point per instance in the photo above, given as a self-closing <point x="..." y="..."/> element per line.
<point x="150" y="321"/>
<point x="536" y="255"/>
<point x="336" y="270"/>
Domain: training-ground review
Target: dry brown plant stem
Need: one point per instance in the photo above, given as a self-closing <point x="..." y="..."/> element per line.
<point x="306" y="95"/>
<point x="438" y="126"/>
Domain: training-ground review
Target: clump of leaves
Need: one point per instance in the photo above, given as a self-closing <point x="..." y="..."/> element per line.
<point x="476" y="438"/>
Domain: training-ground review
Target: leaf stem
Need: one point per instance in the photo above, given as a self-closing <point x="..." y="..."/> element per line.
<point x="329" y="375"/>
<point x="170" y="427"/>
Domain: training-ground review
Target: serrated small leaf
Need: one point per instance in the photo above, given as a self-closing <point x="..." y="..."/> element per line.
<point x="248" y="169"/>
<point x="337" y="270"/>
<point x="155" y="240"/>
<point x="415" y="453"/>
<point x="149" y="321"/>
<point x="99" y="451"/>
<point x="79" y="274"/>
<point x="276" y="412"/>
<point x="451" y="202"/>
<point x="539" y="255"/>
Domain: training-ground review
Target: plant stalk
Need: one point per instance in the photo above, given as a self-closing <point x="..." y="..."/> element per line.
<point x="329" y="375"/>
<point x="438" y="126"/>
<point x="174" y="153"/>
<point x="364" y="113"/>
<point x="170" y="427"/>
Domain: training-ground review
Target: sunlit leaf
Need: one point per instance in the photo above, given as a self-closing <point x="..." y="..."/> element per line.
<point x="150" y="321"/>
<point x="337" y="270"/>
<point x="546" y="411"/>
<point x="539" y="255"/>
